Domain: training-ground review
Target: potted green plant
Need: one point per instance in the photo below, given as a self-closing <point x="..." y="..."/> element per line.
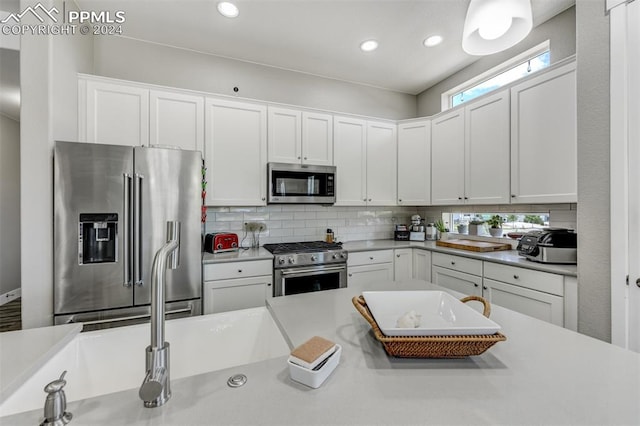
<point x="475" y="225"/>
<point x="440" y="227"/>
<point x="495" y="225"/>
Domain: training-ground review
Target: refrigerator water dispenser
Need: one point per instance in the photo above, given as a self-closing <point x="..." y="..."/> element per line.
<point x="98" y="238"/>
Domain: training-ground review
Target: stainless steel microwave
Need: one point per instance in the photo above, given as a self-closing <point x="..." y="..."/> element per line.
<point x="301" y="184"/>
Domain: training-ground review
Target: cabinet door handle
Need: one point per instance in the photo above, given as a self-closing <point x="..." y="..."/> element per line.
<point x="397" y="255"/>
<point x="513" y="195"/>
<point x="299" y="158"/>
<point x="350" y="275"/>
<point x="400" y="200"/>
<point x="484" y="287"/>
<point x="263" y="198"/>
<point x="369" y="199"/>
<point x="476" y="285"/>
<point x="305" y="158"/>
<point x="239" y="271"/>
<point x="516" y="276"/>
<point x="371" y="257"/>
<point x="466" y="198"/>
<point x="453" y="263"/>
<point x="638" y="282"/>
<point x="364" y="199"/>
<point x="459" y="198"/>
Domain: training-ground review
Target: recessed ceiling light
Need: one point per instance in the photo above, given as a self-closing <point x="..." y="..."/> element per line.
<point x="434" y="40"/>
<point x="368" y="46"/>
<point x="228" y="9"/>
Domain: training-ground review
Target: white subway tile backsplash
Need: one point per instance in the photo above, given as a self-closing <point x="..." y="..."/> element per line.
<point x="228" y="217"/>
<point x="304" y="215"/>
<point x="281" y="216"/>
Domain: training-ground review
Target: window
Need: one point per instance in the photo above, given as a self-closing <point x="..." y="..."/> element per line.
<point x="516" y="68"/>
<point x="512" y="222"/>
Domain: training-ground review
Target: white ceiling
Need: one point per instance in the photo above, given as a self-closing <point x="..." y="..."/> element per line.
<point x="320" y="37"/>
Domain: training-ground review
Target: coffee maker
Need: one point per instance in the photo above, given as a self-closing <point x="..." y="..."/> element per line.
<point x="417" y="229"/>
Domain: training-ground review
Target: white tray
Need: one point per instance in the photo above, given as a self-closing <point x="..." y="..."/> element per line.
<point x="441" y="314"/>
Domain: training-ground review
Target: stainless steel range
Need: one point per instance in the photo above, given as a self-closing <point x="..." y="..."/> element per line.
<point x="307" y="266"/>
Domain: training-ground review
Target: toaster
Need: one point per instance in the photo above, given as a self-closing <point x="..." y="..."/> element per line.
<point x="220" y="242"/>
<point x="549" y="245"/>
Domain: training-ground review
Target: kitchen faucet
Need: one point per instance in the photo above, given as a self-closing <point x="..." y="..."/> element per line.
<point x="156" y="389"/>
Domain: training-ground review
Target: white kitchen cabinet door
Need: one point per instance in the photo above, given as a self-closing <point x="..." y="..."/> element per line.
<point x="403" y="264"/>
<point x="233" y="294"/>
<point x="422" y="264"/>
<point x="364" y="274"/>
<point x="459" y="281"/>
<point x="543" y="138"/>
<point x="235" y="153"/>
<point x="177" y="120"/>
<point x="487" y="133"/>
<point x="350" y="155"/>
<point x="381" y="164"/>
<point x="285" y="135"/>
<point x="116" y="114"/>
<point x="447" y="158"/>
<point x="543" y="306"/>
<point x="317" y="138"/>
<point x="414" y="163"/>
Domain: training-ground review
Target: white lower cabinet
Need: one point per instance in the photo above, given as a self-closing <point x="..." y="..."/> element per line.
<point x="403" y="264"/>
<point x="543" y="306"/>
<point x="458" y="281"/>
<point x="368" y="266"/>
<point x="421" y="264"/>
<point x="236" y="285"/>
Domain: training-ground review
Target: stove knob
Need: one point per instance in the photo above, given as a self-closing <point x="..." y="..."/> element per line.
<point x="281" y="260"/>
<point x="343" y="255"/>
<point x="335" y="255"/>
<point x="292" y="260"/>
<point x="314" y="257"/>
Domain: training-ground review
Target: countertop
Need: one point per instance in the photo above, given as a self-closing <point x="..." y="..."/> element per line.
<point x="507" y="257"/>
<point x="542" y="374"/>
<point x="237" y="256"/>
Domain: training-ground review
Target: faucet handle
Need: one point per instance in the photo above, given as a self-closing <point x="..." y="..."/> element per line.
<point x="55" y="406"/>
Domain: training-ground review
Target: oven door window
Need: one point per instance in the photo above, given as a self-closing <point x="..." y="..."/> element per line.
<point x="309" y="283"/>
<point x="302" y="184"/>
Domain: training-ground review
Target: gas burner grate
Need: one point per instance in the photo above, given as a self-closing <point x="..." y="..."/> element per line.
<point x="302" y="247"/>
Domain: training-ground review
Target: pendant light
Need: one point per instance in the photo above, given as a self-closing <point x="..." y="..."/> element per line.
<point x="492" y="26"/>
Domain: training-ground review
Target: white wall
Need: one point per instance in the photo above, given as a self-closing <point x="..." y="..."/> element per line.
<point x="9" y="205"/>
<point x="560" y="30"/>
<point x="48" y="67"/>
<point x="141" y="61"/>
<point x="594" y="263"/>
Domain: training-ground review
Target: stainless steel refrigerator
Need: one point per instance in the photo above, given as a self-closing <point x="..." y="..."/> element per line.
<point x="111" y="206"/>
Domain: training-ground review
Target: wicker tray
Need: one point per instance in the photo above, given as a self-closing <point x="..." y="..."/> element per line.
<point x="431" y="346"/>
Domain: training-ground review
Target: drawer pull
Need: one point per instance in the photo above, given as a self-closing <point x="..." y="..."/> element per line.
<point x="371" y="257"/>
<point x="239" y="271"/>
<point x="397" y="255"/>
<point x="453" y="263"/>
<point x="516" y="276"/>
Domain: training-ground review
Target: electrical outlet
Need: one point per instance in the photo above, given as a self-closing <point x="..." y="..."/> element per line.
<point x="255" y="226"/>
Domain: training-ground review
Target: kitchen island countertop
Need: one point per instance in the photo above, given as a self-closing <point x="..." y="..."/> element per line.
<point x="542" y="374"/>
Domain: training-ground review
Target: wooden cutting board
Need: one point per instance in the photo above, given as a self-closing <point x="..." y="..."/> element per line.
<point x="473" y="245"/>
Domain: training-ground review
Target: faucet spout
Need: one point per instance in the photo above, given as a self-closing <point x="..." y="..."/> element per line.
<point x="155" y="389"/>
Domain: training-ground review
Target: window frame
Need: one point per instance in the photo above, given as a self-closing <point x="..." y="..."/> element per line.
<point x="447" y="97"/>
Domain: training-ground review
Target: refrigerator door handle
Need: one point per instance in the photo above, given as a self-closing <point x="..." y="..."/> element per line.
<point x="126" y="255"/>
<point x="137" y="230"/>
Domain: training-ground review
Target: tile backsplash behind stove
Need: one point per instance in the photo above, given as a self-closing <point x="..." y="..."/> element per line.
<point x="300" y="222"/>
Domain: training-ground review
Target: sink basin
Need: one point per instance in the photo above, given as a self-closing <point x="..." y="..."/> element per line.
<point x="440" y="314"/>
<point x="106" y="361"/>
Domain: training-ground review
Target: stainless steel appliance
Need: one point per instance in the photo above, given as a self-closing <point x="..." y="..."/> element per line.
<point x="111" y="206"/>
<point x="417" y="229"/>
<point x="301" y="184"/>
<point x="549" y="245"/>
<point x="307" y="266"/>
<point x="220" y="242"/>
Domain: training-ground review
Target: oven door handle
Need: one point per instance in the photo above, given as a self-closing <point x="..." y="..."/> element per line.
<point x="314" y="271"/>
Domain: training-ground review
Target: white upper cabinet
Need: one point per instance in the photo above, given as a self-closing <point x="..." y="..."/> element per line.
<point x="543" y="138"/>
<point x="317" y="138"/>
<point x="113" y="113"/>
<point x="447" y="158"/>
<point x="414" y="163"/>
<point x="235" y="153"/>
<point x="487" y="150"/>
<point x="285" y="135"/>
<point x="350" y="152"/>
<point x="470" y="153"/>
<point x="300" y="137"/>
<point x="177" y="120"/>
<point x="381" y="164"/>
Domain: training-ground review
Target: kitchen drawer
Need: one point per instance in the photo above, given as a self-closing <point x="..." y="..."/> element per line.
<point x="370" y="257"/>
<point x="528" y="278"/>
<point x="457" y="263"/>
<point x="252" y="268"/>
